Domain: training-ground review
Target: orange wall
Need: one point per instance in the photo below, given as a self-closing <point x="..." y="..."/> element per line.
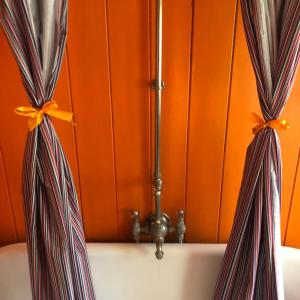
<point x="210" y="93"/>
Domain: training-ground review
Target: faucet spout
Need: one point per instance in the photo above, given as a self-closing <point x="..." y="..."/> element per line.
<point x="159" y="252"/>
<point x="159" y="230"/>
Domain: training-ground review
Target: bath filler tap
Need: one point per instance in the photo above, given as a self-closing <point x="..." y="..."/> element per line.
<point x="158" y="224"/>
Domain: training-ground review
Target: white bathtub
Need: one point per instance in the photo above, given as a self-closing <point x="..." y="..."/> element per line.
<point x="131" y="272"/>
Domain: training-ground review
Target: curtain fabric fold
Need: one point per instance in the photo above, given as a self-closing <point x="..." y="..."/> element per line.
<point x="58" y="262"/>
<point x="251" y="267"/>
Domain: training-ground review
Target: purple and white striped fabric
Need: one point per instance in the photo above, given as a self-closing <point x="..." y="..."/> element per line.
<point x="251" y="268"/>
<point x="59" y="267"/>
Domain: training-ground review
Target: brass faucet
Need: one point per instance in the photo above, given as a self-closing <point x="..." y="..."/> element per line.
<point x="158" y="224"/>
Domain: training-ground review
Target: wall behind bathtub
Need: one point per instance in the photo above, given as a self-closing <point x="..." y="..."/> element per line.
<point x="210" y="93"/>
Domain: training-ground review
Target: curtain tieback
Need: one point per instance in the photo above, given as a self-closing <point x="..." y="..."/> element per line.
<point x="36" y="115"/>
<point x="274" y="124"/>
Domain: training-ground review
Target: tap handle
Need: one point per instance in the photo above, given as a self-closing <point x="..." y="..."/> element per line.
<point x="136" y="225"/>
<point x="181" y="228"/>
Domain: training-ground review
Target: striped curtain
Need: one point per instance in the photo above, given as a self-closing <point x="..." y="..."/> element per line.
<point x="59" y="267"/>
<point x="251" y="267"/>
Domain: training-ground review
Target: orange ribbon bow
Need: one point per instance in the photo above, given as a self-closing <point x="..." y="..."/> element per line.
<point x="261" y="123"/>
<point x="36" y="115"/>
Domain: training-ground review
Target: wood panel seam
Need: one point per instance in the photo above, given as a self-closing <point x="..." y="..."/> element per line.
<point x="189" y="105"/>
<point x="112" y="116"/>
<point x="292" y="198"/>
<point x="227" y="117"/>
<point x="74" y="131"/>
<point x="9" y="196"/>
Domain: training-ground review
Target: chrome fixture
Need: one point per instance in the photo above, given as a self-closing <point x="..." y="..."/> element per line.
<point x="158" y="224"/>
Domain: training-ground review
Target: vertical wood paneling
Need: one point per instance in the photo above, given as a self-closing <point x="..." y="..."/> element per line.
<point x="290" y="141"/>
<point x="292" y="238"/>
<point x="239" y="135"/>
<point x="7" y="227"/>
<point x="206" y="128"/>
<point x="91" y="96"/>
<point x="130" y="82"/>
<point x="177" y="22"/>
<point x="13" y="130"/>
<point x="211" y="66"/>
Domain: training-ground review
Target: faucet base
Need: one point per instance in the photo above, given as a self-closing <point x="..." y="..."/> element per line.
<point x="157" y="227"/>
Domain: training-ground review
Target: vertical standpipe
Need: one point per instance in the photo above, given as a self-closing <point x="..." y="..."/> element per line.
<point x="158" y="86"/>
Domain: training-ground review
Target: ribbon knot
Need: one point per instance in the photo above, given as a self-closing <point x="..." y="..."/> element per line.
<point x="274" y="124"/>
<point x="36" y="115"/>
